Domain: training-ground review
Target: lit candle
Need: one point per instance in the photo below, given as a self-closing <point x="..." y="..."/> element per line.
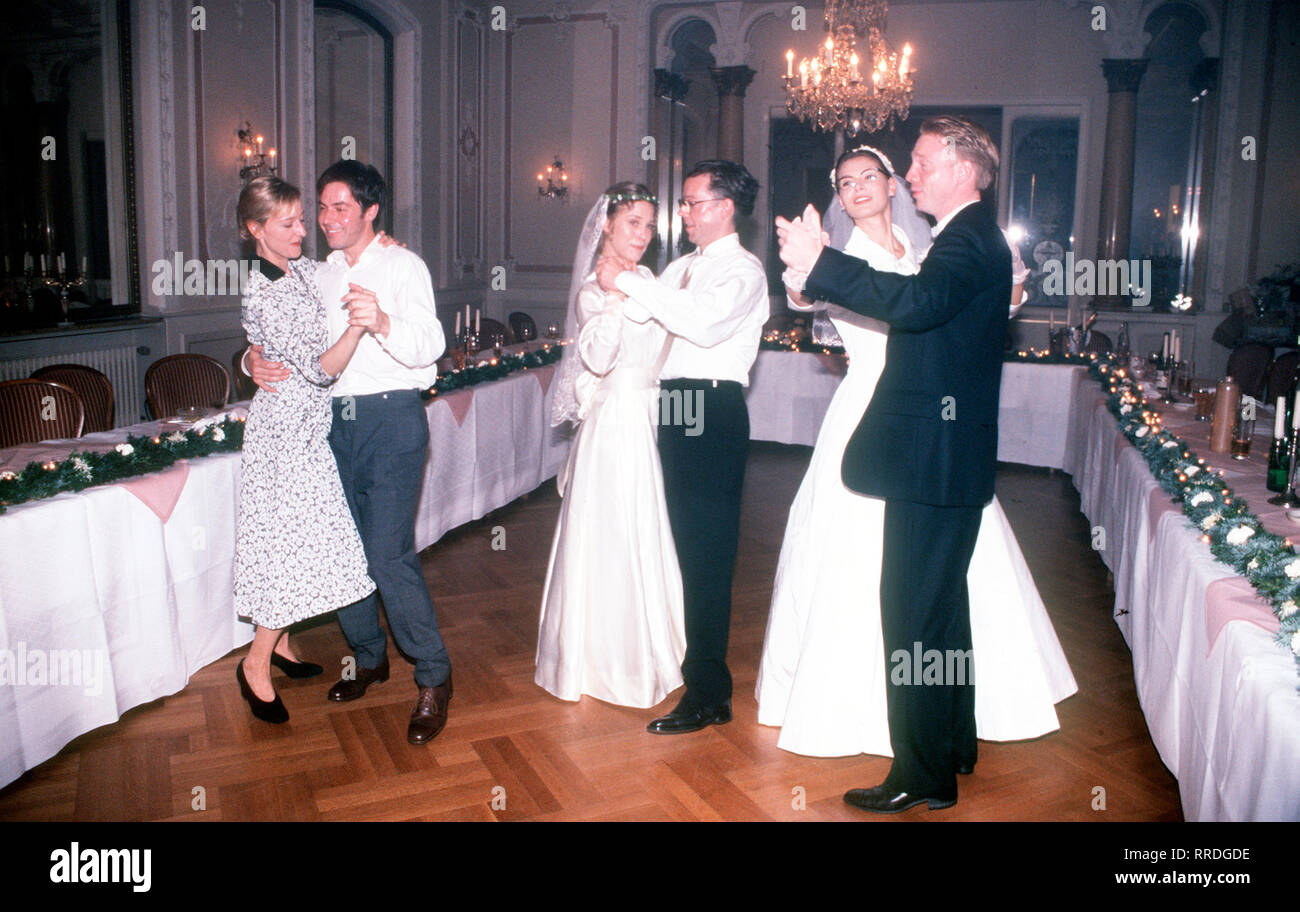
<point x="259" y="143"/>
<point x="853" y="59"/>
<point x="803" y="74"/>
<point x="789" y="64"/>
<point x="1279" y="418"/>
<point x="272" y="154"/>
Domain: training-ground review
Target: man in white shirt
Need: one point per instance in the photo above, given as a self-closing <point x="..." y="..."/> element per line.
<point x="714" y="302"/>
<point x="380" y="435"/>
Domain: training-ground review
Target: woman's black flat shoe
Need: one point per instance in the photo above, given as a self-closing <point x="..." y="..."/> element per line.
<point x="273" y="712"/>
<point x="295" y="669"/>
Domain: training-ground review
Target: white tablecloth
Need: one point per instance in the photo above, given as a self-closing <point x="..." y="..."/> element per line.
<point x="1226" y="720"/>
<point x="789" y="392"/>
<point x="143" y="604"/>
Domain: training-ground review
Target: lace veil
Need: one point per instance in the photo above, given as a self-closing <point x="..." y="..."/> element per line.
<point x="564" y="407"/>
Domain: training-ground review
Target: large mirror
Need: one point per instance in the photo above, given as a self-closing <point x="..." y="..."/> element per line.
<point x="67" y="212"/>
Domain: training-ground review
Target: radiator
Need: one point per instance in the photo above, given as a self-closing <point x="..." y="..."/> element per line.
<point x="118" y="364"/>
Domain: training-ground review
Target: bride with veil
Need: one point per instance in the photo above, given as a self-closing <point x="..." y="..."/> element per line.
<point x="822" y="676"/>
<point x="612" y="618"/>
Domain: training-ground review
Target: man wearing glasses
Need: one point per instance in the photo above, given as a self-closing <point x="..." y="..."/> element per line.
<point x="714" y="302"/>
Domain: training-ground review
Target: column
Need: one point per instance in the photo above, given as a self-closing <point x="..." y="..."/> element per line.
<point x="1122" y="79"/>
<point x="731" y="82"/>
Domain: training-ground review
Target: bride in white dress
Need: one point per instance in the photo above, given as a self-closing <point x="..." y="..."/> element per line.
<point x="612" y="619"/>
<point x="822" y="674"/>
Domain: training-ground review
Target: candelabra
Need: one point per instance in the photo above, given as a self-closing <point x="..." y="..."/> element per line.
<point x="253" y="161"/>
<point x="549" y="186"/>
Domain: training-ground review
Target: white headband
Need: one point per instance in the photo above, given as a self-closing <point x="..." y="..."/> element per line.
<point x="884" y="160"/>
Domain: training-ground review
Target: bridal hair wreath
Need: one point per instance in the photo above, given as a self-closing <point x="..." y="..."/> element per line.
<point x="871" y="150"/>
<point x="618" y="199"/>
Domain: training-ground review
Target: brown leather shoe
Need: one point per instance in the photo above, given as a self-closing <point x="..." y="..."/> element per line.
<point x="346" y="690"/>
<point x="430" y="713"/>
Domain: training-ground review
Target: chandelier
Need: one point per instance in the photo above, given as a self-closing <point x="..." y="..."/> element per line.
<point x="838" y="89"/>
<point x="254" y="161"/>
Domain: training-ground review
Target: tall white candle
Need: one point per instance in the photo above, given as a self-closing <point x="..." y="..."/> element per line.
<point x="84" y="266"/>
<point x="42" y="263"/>
<point x="1279" y="420"/>
<point x="458" y="323"/>
<point x="477" y="316"/>
<point x="1295" y="412"/>
<point x="789" y="64"/>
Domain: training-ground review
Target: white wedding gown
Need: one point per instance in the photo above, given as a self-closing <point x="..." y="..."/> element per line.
<point x="612" y="619"/>
<point x="822" y="674"/>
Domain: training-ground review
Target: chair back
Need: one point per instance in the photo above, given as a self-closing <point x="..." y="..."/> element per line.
<point x="35" y="410"/>
<point x="489" y="328"/>
<point x="1097" y="342"/>
<point x="1248" y="365"/>
<point x="1281" y="376"/>
<point x="93" y="388"/>
<point x="522" y="326"/>
<point x="185" y="381"/>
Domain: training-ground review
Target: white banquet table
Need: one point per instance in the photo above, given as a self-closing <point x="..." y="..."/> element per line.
<point x="1224" y="713"/>
<point x="789" y="393"/>
<point x="96" y="586"/>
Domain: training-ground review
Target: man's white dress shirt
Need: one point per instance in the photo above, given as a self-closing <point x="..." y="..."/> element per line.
<point x="717" y="317"/>
<point x="404" y="359"/>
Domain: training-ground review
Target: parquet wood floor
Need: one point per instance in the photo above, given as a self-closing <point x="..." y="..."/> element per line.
<point x="512" y="752"/>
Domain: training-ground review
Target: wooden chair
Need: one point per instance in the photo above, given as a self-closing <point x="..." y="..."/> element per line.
<point x="1248" y="365"/>
<point x="522" y="326"/>
<point x="1282" y="375"/>
<point x="488" y="328"/>
<point x="185" y="381"/>
<point x="1097" y="342"/>
<point x="35" y="410"/>
<point x="92" y="386"/>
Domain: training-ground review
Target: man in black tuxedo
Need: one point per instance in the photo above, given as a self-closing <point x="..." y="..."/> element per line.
<point x="927" y="445"/>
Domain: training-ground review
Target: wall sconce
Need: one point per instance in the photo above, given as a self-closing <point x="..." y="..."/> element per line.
<point x="253" y="160"/>
<point x="555" y="182"/>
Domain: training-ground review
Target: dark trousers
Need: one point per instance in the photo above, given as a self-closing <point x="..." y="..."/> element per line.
<point x="380" y="443"/>
<point x="925" y="618"/>
<point x="704" y="471"/>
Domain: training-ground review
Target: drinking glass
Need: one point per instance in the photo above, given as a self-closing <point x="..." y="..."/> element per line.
<point x="1243" y="431"/>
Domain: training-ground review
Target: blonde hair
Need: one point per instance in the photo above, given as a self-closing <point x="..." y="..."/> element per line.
<point x="260" y="199"/>
<point x="969" y="141"/>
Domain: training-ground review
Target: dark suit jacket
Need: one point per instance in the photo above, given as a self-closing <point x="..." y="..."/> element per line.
<point x="930" y="434"/>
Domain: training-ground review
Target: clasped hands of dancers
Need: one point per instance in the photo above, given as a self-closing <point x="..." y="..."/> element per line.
<point x="637" y="598"/>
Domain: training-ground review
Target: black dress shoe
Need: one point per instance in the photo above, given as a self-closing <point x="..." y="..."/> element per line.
<point x="688" y="718"/>
<point x="272" y="711"/>
<point x="884" y="800"/>
<point x="295" y="669"/>
<point x="346" y="690"/>
<point x="430" y="713"/>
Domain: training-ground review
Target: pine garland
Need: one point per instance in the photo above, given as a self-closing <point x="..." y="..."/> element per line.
<point x="138" y="456"/>
<point x="1236" y="536"/>
<point x="493" y="370"/>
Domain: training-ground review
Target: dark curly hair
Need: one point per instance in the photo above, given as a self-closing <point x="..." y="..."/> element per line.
<point x="730" y="179"/>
